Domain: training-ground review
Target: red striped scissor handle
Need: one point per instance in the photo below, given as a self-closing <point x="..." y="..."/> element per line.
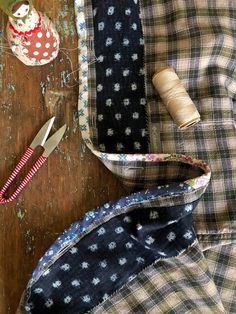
<point x="41" y="160"/>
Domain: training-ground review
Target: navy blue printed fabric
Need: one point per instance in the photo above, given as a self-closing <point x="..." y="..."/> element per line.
<point x="110" y="256"/>
<point x="120" y="103"/>
<point x="111" y="208"/>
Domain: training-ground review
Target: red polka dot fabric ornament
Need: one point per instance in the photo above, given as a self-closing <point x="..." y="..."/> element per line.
<point x="32" y="36"/>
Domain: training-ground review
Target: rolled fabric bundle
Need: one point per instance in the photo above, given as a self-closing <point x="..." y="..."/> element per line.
<point x="31" y="35"/>
<point x="175" y="98"/>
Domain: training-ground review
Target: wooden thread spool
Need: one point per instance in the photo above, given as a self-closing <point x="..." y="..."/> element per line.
<point x="175" y="98"/>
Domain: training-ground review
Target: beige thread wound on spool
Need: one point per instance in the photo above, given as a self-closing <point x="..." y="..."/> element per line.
<point x="175" y="98"/>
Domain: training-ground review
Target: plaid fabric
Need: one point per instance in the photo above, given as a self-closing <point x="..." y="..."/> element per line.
<point x="221" y="262"/>
<point x="196" y="38"/>
<point x="140" y="174"/>
<point x="178" y="285"/>
<point x="88" y="11"/>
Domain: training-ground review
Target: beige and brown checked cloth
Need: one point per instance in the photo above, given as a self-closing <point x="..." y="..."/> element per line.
<point x="198" y="39"/>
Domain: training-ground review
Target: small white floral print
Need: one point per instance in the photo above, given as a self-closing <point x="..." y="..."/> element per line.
<point x="126" y="101"/>
<point x="108" y="72"/>
<point x="119" y="146"/>
<point x="47" y="272"/>
<point x="67" y="299"/>
<point x="95" y="281"/>
<point x="49" y="303"/>
<point x="101" y="26"/>
<point x="101" y="231"/>
<point x="141" y="71"/>
<point x="110" y="10"/>
<point x="86" y="298"/>
<point x="134" y="26"/>
<point x="188" y="207"/>
<point x="140" y="260"/>
<point x="109" y="41"/>
<point x="29" y="307"/>
<point x="139" y="226"/>
<point x="135" y="115"/>
<point x="100" y="117"/>
<point x="75" y="283"/>
<point x="137" y="145"/>
<point x="118" y="116"/>
<point x="122" y="261"/>
<point x="99" y="87"/>
<point x="134" y="57"/>
<point x="118" y="26"/>
<point x="141" y="41"/>
<point x="126" y="42"/>
<point x="117" y="56"/>
<point x="100" y="58"/>
<point x="65" y="267"/>
<point x="102" y="147"/>
<point x="113" y="277"/>
<point x="93" y="247"/>
<point x="153" y="214"/>
<point x="103" y="264"/>
<point x="105" y="297"/>
<point x="128" y="11"/>
<point x="150" y="240"/>
<point x="188" y="235"/>
<point x="109" y="102"/>
<point x="143" y="101"/>
<point x="116" y="87"/>
<point x="143" y="132"/>
<point x="38" y="290"/>
<point x="125" y="72"/>
<point x="56" y="284"/>
<point x="110" y="132"/>
<point x="128" y="131"/>
<point x="84" y="265"/>
<point x="171" y="236"/>
<point x="112" y="245"/>
<point x="119" y="230"/>
<point x="129" y="245"/>
<point x="127" y="219"/>
<point x="73" y="250"/>
<point x="131" y="277"/>
<point x="134" y="86"/>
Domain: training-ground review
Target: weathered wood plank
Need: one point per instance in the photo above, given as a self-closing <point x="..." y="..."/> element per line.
<point x="73" y="180"/>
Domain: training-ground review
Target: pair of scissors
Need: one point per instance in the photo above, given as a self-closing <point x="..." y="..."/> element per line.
<point x="40" y="140"/>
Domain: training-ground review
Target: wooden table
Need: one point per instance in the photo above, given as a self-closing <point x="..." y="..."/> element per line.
<point x="72" y="182"/>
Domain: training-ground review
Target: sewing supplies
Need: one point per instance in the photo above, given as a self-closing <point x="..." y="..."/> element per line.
<point x="175" y="98"/>
<point x="40" y="140"/>
<point x="32" y="37"/>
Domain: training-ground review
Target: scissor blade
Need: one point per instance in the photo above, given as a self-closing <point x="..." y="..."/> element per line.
<point x="42" y="135"/>
<point x="53" y="141"/>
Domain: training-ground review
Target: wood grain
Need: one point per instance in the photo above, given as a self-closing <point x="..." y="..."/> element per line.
<point x="72" y="182"/>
